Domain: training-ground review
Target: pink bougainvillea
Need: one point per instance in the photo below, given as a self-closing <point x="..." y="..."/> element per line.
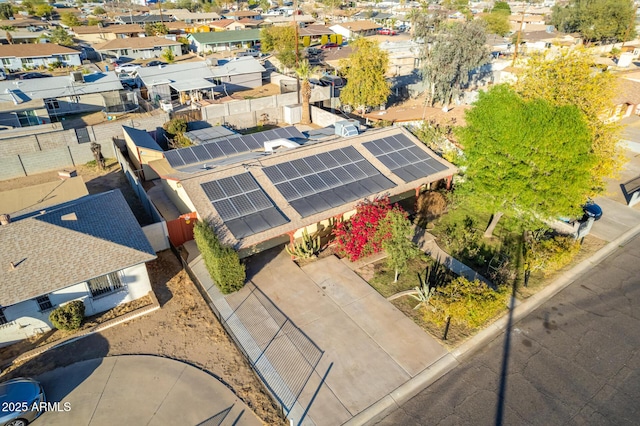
<point x="359" y="237"/>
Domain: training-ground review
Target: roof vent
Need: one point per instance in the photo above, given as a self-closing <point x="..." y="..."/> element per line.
<point x="270" y="145"/>
<point x="70" y="216"/>
<point x="346" y="128"/>
<point x="77" y="77"/>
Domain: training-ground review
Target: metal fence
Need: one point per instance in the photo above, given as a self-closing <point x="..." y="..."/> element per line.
<point x="284" y="349"/>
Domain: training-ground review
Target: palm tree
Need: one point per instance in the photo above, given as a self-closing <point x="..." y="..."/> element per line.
<point x="304" y="71"/>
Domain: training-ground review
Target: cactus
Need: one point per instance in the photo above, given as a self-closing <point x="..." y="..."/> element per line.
<point x="423" y="294"/>
<point x="306" y="249"/>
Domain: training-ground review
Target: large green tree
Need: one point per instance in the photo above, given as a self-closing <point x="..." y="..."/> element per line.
<point x="568" y="78"/>
<point x="597" y="20"/>
<point x="6" y="11"/>
<point x="528" y="159"/>
<point x="70" y="20"/>
<point x="497" y="23"/>
<point x="449" y="54"/>
<point x="281" y="42"/>
<point x="60" y="36"/>
<point x="365" y="71"/>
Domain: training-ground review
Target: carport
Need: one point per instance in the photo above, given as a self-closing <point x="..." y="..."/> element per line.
<point x="193" y="89"/>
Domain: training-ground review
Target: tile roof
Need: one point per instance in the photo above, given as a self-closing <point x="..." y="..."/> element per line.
<point x="222" y="23"/>
<point x="136" y="43"/>
<point x="34" y="50"/>
<point x="51" y="253"/>
<point x="226" y="36"/>
<point x="628" y="91"/>
<point x="315" y="30"/>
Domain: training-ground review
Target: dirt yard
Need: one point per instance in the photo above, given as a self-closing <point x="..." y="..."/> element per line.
<point x="184" y="328"/>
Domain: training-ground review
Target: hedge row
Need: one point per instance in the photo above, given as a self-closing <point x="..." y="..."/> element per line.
<point x="221" y="261"/>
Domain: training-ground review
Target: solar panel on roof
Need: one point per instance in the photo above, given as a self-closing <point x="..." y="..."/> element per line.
<point x="403" y="157"/>
<point x="174" y="158"/>
<point x="243" y="205"/>
<point x="327" y="180"/>
<point x="187" y="155"/>
<point x="201" y="152"/>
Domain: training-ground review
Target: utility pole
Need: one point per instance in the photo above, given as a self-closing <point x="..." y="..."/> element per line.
<point x="160" y="7"/>
<point x="295" y="28"/>
<point x="515" y="51"/>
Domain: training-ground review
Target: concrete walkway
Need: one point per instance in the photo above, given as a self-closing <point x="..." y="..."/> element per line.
<point x="140" y="390"/>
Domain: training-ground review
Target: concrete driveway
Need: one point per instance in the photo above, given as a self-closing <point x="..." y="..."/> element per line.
<point x="370" y="347"/>
<point x="140" y="390"/>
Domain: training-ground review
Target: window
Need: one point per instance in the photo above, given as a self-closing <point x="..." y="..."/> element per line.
<point x="27" y="61"/>
<point x="27" y="118"/>
<point x="51" y="103"/>
<point x="3" y="318"/>
<point x="44" y="303"/>
<point x="6" y="61"/>
<point x="105" y="284"/>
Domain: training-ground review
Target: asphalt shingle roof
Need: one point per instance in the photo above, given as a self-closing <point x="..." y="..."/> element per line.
<point x="51" y="253"/>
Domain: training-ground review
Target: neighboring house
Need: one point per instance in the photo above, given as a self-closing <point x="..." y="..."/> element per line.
<point x="21" y="57"/>
<point x="142" y="149"/>
<point x="543" y="40"/>
<point x="168" y="82"/>
<point x="237" y="15"/>
<point x="350" y="30"/>
<point x="21" y="35"/>
<point x="281" y="21"/>
<point x="95" y="34"/>
<point x="249" y="23"/>
<point x="90" y="249"/>
<point x="404" y="57"/>
<point x="258" y="198"/>
<point x="227" y="25"/>
<point x="142" y="19"/>
<point x="192" y="18"/>
<point x="223" y="40"/>
<point x="627" y="98"/>
<point x="43" y="100"/>
<point x="315" y="32"/>
<point x="238" y="74"/>
<point x="138" y="47"/>
<point x="529" y="23"/>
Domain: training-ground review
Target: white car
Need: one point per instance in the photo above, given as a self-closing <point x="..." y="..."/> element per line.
<point x="128" y="68"/>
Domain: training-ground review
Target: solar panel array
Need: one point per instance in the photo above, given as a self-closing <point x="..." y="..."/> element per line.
<point x="404" y="158"/>
<point x="223" y="148"/>
<point x="209" y="134"/>
<point x="243" y="205"/>
<point x="320" y="182"/>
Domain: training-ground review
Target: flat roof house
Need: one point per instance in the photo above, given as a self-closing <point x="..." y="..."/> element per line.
<point x="90" y="249"/>
<point x="42" y="100"/>
<point x="258" y="197"/>
<point x="350" y="30"/>
<point x="223" y="40"/>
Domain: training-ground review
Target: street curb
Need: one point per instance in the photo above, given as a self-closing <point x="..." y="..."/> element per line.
<point x="448" y="362"/>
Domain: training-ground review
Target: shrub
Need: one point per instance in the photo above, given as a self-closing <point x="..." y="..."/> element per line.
<point x="468" y="303"/>
<point x="464" y="241"/>
<point x="358" y="237"/>
<point x="222" y="262"/>
<point x="548" y="254"/>
<point x="68" y="317"/>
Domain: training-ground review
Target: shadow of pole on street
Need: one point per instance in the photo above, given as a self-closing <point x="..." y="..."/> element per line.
<point x="502" y="387"/>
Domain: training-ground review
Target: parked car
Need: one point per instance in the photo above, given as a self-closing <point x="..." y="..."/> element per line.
<point x="249" y="52"/>
<point x="316" y="82"/>
<point x="128" y="68"/>
<point x="593" y="210"/>
<point x="330" y="46"/>
<point x="128" y="80"/>
<point x="3" y="76"/>
<point x="30" y="75"/>
<point x="387" y="31"/>
<point x="155" y="64"/>
<point x="333" y="80"/>
<point x="20" y="401"/>
<point x="313" y="51"/>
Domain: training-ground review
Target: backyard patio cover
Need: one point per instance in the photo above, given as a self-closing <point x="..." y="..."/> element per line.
<point x="192" y="84"/>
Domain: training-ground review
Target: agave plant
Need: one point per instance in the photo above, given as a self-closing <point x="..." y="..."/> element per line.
<point x="306" y="249"/>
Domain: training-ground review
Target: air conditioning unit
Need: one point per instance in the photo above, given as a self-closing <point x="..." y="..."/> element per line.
<point x="77" y="77"/>
<point x="347" y="128"/>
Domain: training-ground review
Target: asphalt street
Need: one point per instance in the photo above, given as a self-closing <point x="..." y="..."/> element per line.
<point x="573" y="361"/>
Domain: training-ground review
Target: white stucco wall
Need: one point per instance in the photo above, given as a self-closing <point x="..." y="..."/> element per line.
<point x="26" y="320"/>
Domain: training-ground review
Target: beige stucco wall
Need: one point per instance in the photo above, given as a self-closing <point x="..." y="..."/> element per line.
<point x="178" y="196"/>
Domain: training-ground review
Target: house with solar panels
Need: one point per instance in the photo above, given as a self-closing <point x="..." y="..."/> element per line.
<point x="263" y="189"/>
